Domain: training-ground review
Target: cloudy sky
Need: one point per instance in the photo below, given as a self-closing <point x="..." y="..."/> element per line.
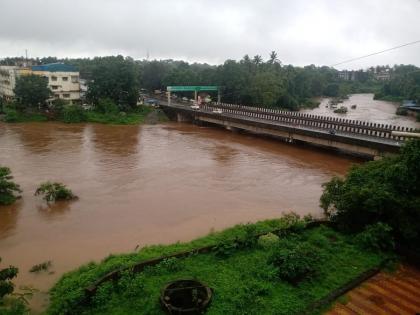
<point x="321" y="32"/>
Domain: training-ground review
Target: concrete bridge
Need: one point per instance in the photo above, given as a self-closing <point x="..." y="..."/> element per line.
<point x="351" y="136"/>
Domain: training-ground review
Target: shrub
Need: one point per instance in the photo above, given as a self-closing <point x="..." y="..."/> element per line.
<point x="295" y="261"/>
<point x="11" y="116"/>
<point x="6" y="285"/>
<point x="58" y="105"/>
<point x="10" y="305"/>
<point x="341" y="110"/>
<point x="106" y="106"/>
<point x="401" y="111"/>
<point x="45" y="266"/>
<point x="7" y="187"/>
<point x="54" y="192"/>
<point x="386" y="190"/>
<point x="225" y="248"/>
<point x="377" y="237"/>
<point x="268" y="241"/>
<point x="73" y="114"/>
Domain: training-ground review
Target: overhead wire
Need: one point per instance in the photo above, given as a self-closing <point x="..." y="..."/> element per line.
<point x="376" y="53"/>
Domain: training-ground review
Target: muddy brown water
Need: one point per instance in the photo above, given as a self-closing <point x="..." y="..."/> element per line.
<point x="367" y="109"/>
<point x="142" y="185"/>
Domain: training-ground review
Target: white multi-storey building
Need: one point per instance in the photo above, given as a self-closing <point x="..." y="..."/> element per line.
<point x="8" y="75"/>
<point x="63" y="80"/>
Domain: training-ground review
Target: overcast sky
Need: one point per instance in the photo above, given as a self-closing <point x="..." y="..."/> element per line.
<point x="321" y="32"/>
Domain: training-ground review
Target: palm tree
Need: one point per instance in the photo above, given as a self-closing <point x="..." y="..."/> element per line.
<point x="257" y="59"/>
<point x="273" y="57"/>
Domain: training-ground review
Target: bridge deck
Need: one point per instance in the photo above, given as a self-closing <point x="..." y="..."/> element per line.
<point x="246" y="118"/>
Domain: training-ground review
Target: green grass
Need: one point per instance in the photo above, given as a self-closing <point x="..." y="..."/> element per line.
<point x="242" y="280"/>
<point x="13" y="116"/>
<point x="130" y="118"/>
<point x="118" y="118"/>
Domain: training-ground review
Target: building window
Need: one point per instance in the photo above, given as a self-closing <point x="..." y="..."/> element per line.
<point x="74" y="79"/>
<point x="57" y="95"/>
<point x="54" y="87"/>
<point x="66" y="95"/>
<point x="65" y="78"/>
<point x="53" y="78"/>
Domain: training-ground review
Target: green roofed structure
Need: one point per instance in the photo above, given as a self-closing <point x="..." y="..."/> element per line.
<point x="192" y="88"/>
<point x="55" y="67"/>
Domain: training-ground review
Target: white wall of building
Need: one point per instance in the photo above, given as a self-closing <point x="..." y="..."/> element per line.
<point x="8" y="76"/>
<point x="63" y="85"/>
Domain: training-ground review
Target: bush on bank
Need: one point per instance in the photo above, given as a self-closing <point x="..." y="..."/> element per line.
<point x="247" y="278"/>
<point x="105" y="112"/>
<point x="385" y="191"/>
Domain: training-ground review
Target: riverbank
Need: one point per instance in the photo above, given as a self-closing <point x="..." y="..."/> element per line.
<point x="75" y="114"/>
<point x="239" y="268"/>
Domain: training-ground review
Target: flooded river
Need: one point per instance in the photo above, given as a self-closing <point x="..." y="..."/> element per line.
<point x="367" y="109"/>
<point x="147" y="184"/>
<point x="143" y="185"/>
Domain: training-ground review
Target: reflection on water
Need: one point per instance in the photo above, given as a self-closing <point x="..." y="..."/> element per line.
<point x="224" y="154"/>
<point x="114" y="140"/>
<point x="140" y="185"/>
<point x="54" y="211"/>
<point x="8" y="220"/>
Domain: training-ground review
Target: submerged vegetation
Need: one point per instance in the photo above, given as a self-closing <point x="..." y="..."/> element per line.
<point x="401" y="111"/>
<point x="341" y="110"/>
<point x="54" y="192"/>
<point x="10" y="304"/>
<point x="293" y="268"/>
<point x="45" y="266"/>
<point x="9" y="190"/>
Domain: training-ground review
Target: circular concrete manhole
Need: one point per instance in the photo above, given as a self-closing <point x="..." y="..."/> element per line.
<point x="185" y="297"/>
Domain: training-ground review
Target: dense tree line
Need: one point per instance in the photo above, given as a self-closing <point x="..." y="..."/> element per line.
<point x="404" y="84"/>
<point x="249" y="81"/>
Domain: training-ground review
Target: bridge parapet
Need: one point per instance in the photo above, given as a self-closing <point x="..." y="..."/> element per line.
<point x="313" y="121"/>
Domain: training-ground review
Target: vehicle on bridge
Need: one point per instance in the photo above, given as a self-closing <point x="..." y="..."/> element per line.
<point x="195" y="107"/>
<point x="152" y="102"/>
<point x="217" y="111"/>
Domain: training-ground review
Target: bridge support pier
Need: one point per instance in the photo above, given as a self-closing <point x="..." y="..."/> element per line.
<point x="183" y="118"/>
<point x="233" y="129"/>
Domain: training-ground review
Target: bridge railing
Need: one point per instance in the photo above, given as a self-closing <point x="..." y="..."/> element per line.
<point x="312" y="121"/>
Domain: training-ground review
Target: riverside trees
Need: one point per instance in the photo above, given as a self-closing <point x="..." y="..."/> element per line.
<point x="32" y="91"/>
<point x="403" y="84"/>
<point x="115" y="78"/>
<point x="8" y="189"/>
<point x="385" y="191"/>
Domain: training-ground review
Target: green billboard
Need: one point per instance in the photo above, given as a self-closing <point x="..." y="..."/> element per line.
<point x="192" y="88"/>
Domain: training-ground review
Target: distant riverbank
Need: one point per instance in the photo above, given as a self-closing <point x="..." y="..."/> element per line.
<point x="76" y="114"/>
